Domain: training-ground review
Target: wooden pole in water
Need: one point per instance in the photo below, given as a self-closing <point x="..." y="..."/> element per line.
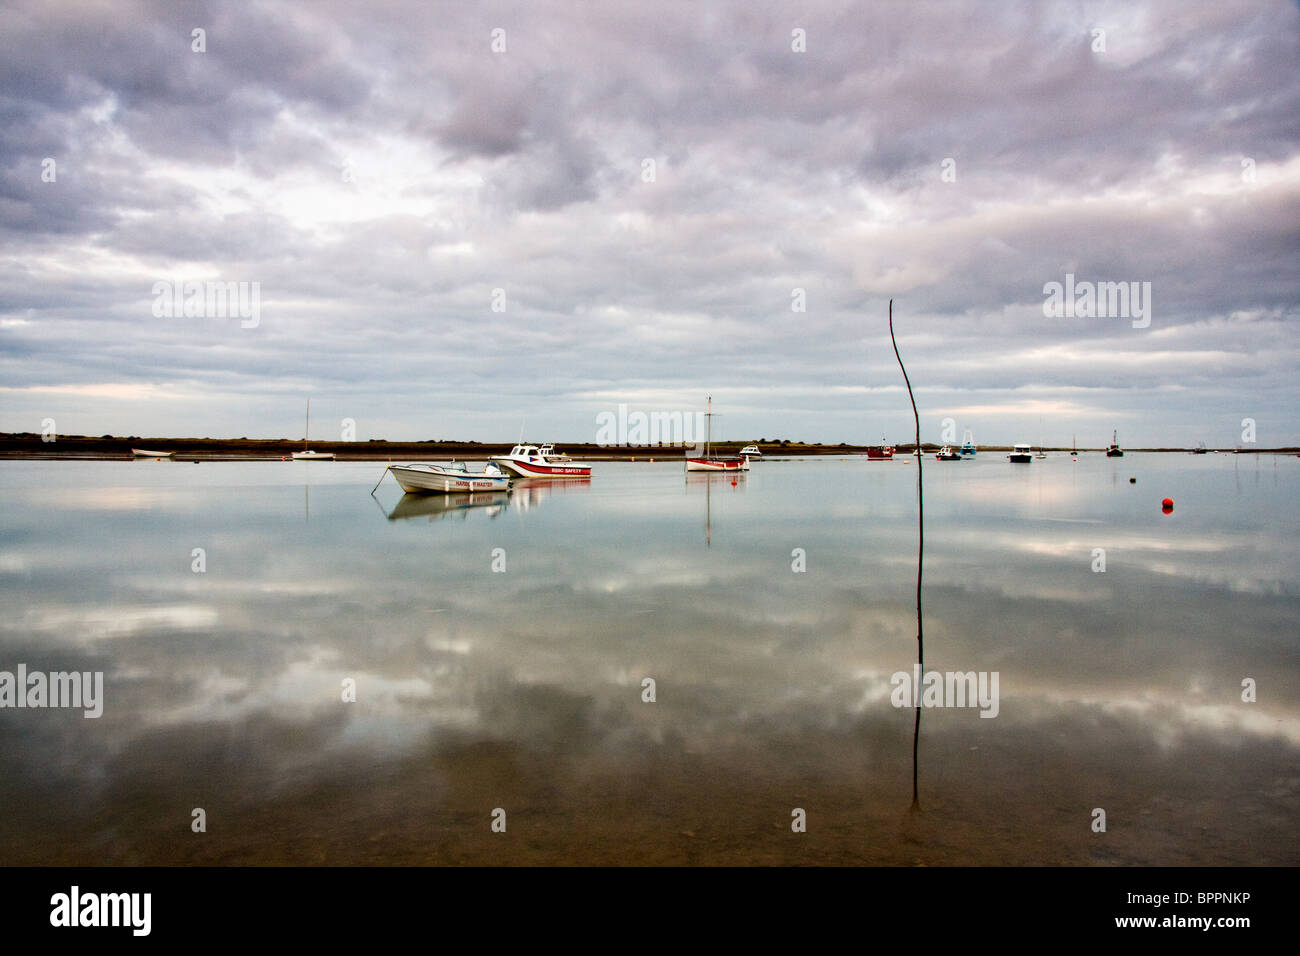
<point x="920" y="556"/>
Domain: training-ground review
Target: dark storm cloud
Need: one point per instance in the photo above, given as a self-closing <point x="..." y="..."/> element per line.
<point x="379" y="170"/>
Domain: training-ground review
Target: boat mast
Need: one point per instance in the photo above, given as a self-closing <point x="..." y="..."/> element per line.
<point x="708" y="427"/>
<point x="307" y="428"/>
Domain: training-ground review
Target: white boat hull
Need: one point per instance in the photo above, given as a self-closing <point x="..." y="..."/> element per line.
<point x="430" y="479"/>
<point x="313" y="456"/>
<point x="145" y="453"/>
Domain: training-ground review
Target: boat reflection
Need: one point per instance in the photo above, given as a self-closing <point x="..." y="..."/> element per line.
<point x="707" y="479"/>
<point x="443" y="506"/>
<point x="528" y="493"/>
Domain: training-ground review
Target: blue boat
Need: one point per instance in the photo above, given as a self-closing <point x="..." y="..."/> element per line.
<point x="967" y="449"/>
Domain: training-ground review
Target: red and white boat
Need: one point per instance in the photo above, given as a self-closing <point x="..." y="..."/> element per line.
<point x="714" y="463"/>
<point x="883" y="452"/>
<point x="532" y="461"/>
<point x="708" y="462"/>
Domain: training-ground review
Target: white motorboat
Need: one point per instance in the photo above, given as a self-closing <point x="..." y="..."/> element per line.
<point x="751" y="451"/>
<point x="1021" y="454"/>
<point x="146" y="453"/>
<point x="454" y="476"/>
<point x="306" y="454"/>
<point x="532" y="461"/>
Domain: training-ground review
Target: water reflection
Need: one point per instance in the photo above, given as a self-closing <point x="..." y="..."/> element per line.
<point x="434" y="507"/>
<point x="529" y="493"/>
<point x="523" y="689"/>
<point x="705" y="481"/>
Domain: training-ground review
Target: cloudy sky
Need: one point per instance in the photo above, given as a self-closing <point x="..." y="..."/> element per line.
<point x="461" y="218"/>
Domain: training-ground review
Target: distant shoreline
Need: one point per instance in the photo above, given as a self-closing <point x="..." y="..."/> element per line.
<point x="109" y="448"/>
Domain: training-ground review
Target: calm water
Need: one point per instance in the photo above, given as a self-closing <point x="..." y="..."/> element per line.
<point x="522" y="688"/>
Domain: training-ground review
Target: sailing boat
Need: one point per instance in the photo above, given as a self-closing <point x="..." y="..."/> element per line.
<point x="1114" y="451"/>
<point x="1041" y="454"/>
<point x="710" y="462"/>
<point x="306" y="454"/>
<point x="1074" y="447"/>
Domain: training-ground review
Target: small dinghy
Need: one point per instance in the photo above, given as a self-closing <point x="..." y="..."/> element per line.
<point x="454" y="476"/>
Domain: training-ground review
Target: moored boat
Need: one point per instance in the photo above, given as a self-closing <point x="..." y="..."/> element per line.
<point x="452" y="477"/>
<point x="532" y="461"/>
<point x="146" y="453"/>
<point x="1113" y="450"/>
<point x="714" y="463"/>
<point x="882" y="452"/>
<point x="711" y="462"/>
<point x="307" y="454"/>
<point x="947" y="454"/>
<point x="751" y="451"/>
<point x="967" y="449"/>
<point x="1021" y="455"/>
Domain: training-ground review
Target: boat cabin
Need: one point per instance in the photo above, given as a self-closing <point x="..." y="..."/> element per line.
<point x="530" y="452"/>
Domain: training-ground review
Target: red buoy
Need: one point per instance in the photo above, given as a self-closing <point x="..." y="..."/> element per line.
<point x="1167" y="503"/>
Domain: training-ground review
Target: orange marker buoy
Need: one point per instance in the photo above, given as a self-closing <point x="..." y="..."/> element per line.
<point x="733" y="482"/>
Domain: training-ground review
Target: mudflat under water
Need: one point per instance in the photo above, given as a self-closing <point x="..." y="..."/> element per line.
<point x="498" y="648"/>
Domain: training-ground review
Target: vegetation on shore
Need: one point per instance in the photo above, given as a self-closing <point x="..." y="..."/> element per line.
<point x="31" y="445"/>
